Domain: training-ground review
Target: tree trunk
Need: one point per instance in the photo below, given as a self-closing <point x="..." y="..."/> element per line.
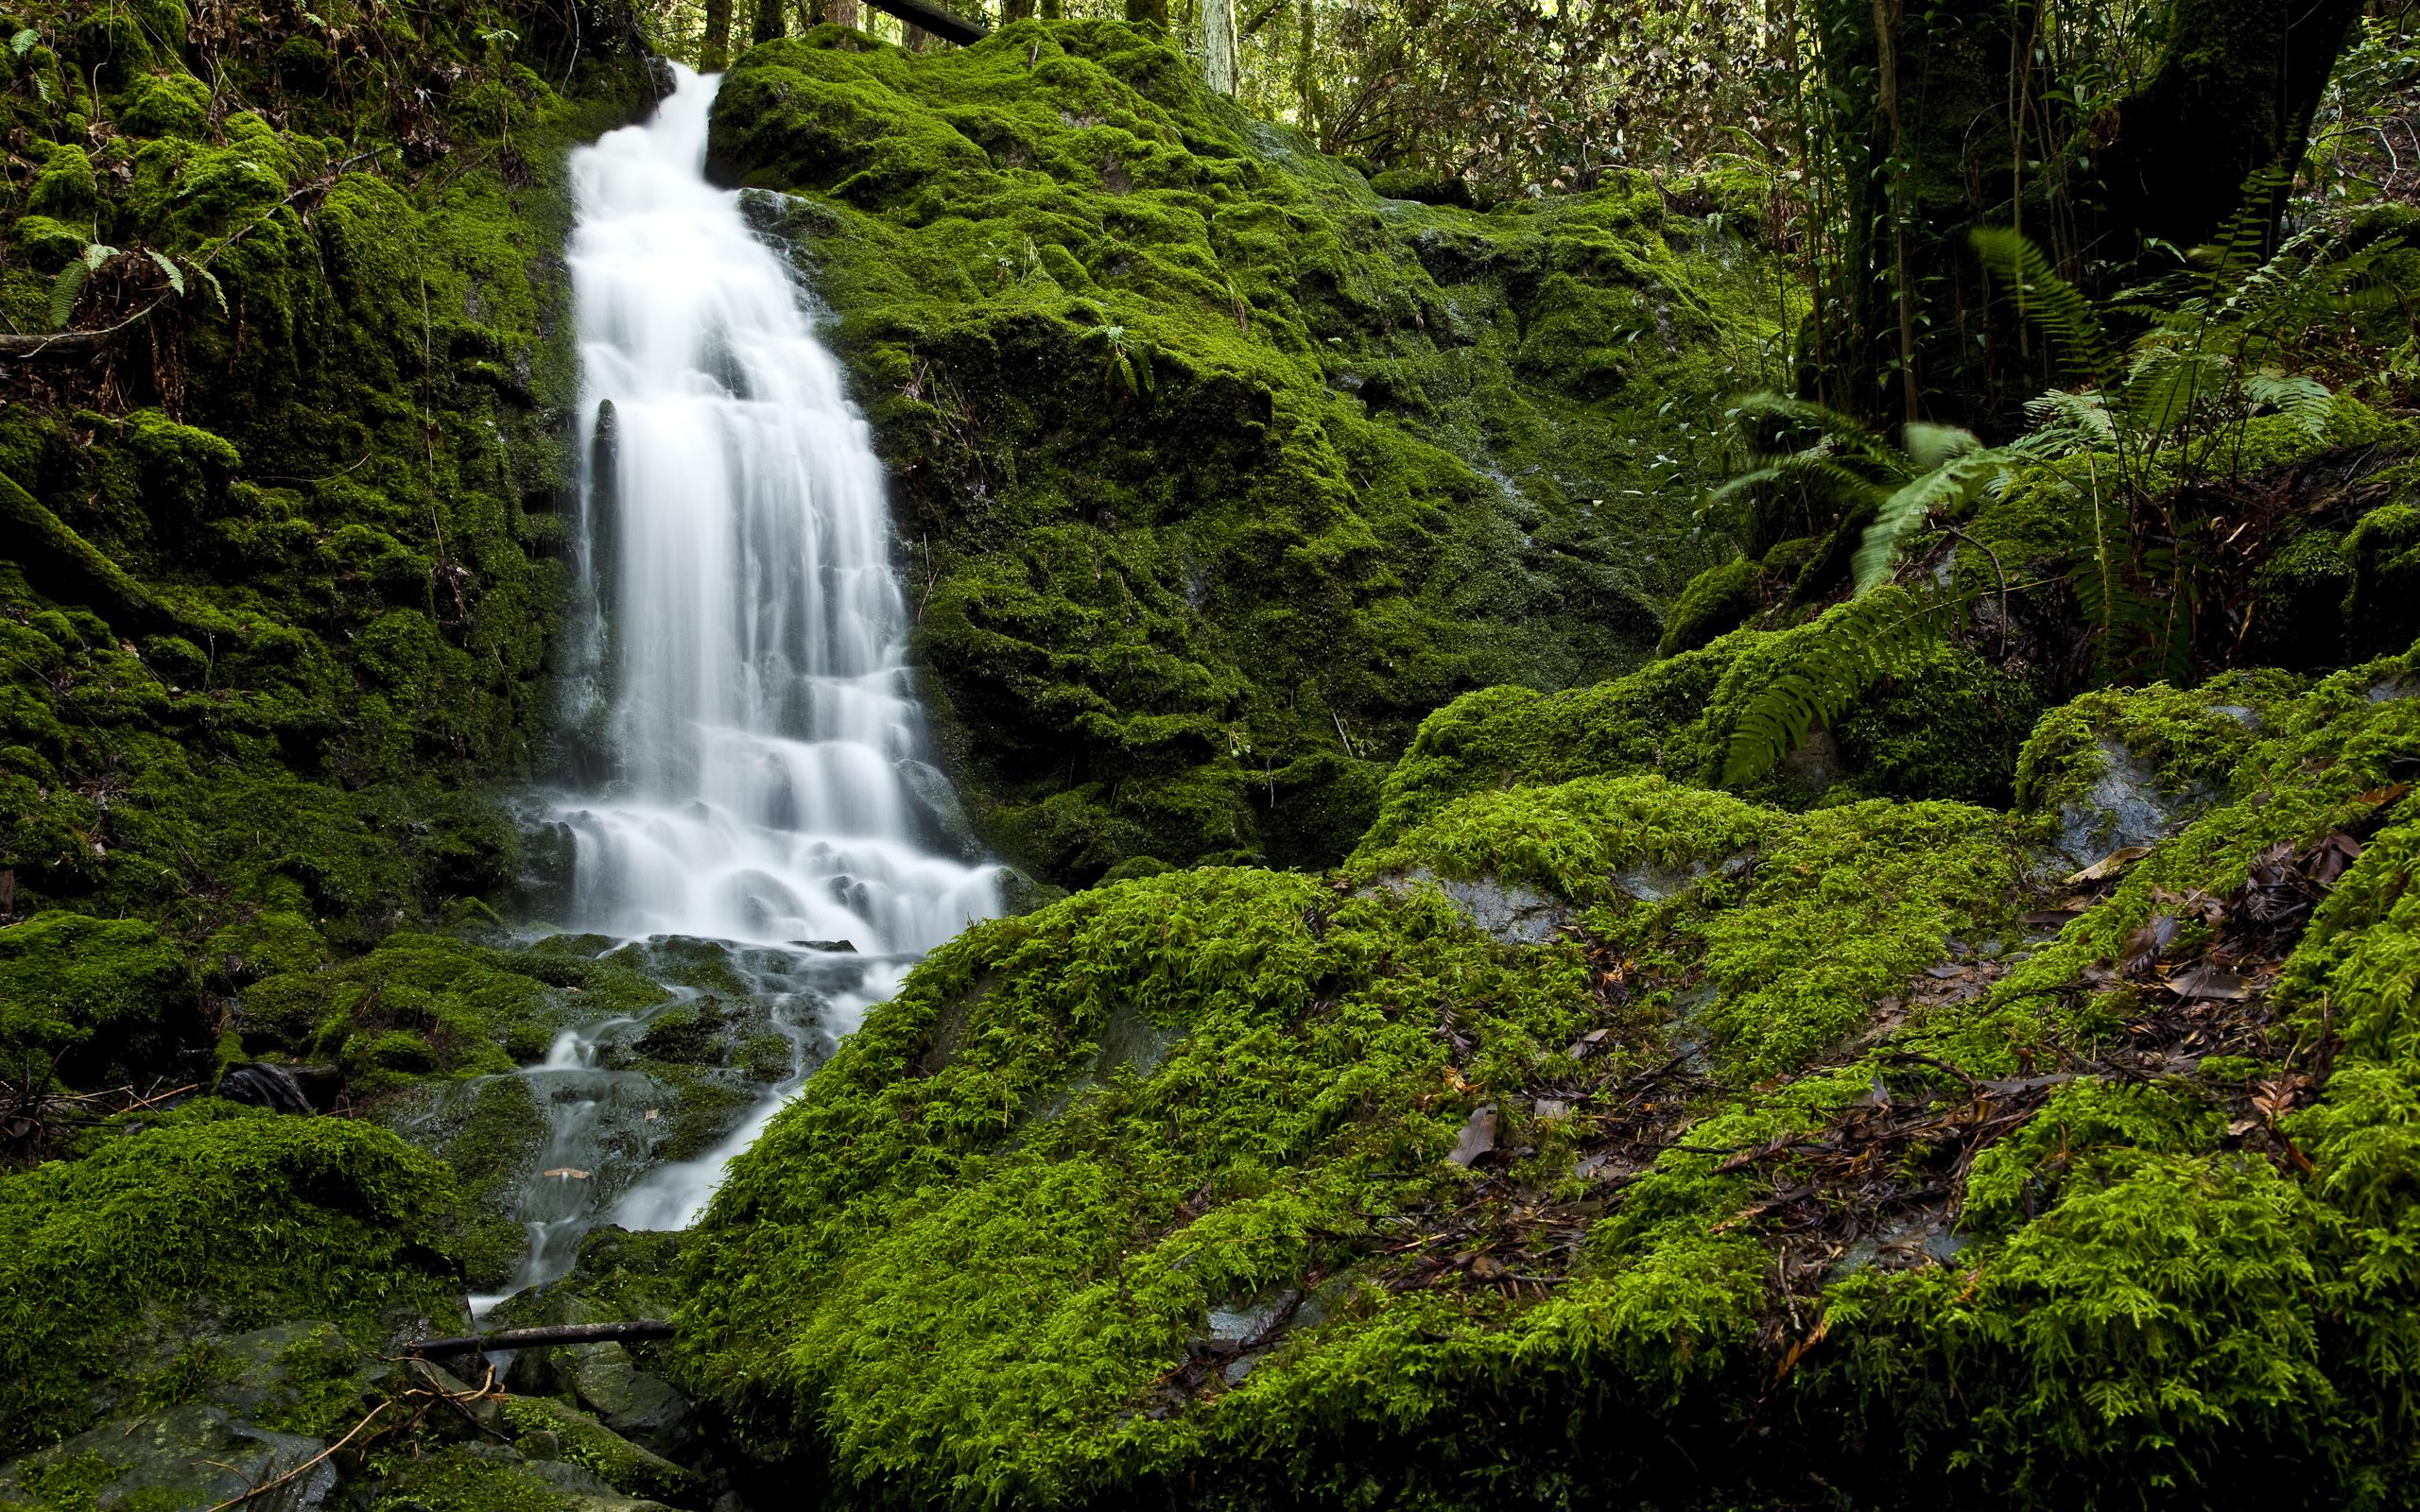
<point x="2235" y="93"/>
<point x="1950" y="105"/>
<point x="1306" y="79"/>
<point x="842" y="13"/>
<point x="1053" y="10"/>
<point x="1015" y="10"/>
<point x="1218" y="44"/>
<point x="1930" y="152"/>
<point x="1153" y="12"/>
<point x="713" y="53"/>
<point x="769" y="21"/>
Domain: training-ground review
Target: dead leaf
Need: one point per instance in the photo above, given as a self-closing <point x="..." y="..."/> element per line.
<point x="1551" y="1109"/>
<point x="1798" y="1349"/>
<point x="1478" y="1136"/>
<point x="2203" y="980"/>
<point x="2143" y="945"/>
<point x="2110" y="864"/>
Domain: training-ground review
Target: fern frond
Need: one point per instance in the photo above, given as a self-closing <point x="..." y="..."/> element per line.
<point x="64" y="291"/>
<point x="2300" y="397"/>
<point x="1829" y="664"/>
<point x="2052" y="304"/>
<point x="2067" y="425"/>
<point x="176" y="275"/>
<point x="1953" y="485"/>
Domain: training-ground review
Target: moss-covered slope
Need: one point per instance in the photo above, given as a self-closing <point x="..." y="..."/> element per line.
<point x="1621" y="1138"/>
<point x="1218" y="471"/>
<point x="276" y="584"/>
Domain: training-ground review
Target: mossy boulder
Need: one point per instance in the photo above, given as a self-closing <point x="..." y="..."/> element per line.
<point x="65" y="188"/>
<point x="217" y="1221"/>
<point x="1242" y="1188"/>
<point x="1716" y="600"/>
<point x="1219" y="469"/>
<point x="94" y="999"/>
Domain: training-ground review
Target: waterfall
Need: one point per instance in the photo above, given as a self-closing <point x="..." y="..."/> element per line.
<point x="762" y="731"/>
<point x="757" y="772"/>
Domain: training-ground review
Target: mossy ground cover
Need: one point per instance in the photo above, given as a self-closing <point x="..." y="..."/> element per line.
<point x="1810" y="1156"/>
<point x="1216" y="471"/>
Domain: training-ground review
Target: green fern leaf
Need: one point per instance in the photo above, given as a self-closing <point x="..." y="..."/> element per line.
<point x="176" y="276"/>
<point x="64" y="291"/>
<point x="2052" y="304"/>
<point x="1829" y="664"/>
<point x="24" y="41"/>
<point x="2301" y="397"/>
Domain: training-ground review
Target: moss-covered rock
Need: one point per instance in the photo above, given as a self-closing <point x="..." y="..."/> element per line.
<point x="1717" y="600"/>
<point x="1218" y="470"/>
<point x="1768" y="1130"/>
<point x="94" y="999"/>
<point x="222" y="1221"/>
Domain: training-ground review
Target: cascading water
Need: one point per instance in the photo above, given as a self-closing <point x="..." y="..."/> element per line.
<point x="744" y="672"/>
<point x="750" y="639"/>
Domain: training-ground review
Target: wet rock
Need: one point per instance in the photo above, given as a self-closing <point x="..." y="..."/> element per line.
<point x="1507" y="911"/>
<point x="190" y="1457"/>
<point x="265" y="1085"/>
<point x="2124" y="807"/>
<point x="939" y="819"/>
<point x="638" y="1405"/>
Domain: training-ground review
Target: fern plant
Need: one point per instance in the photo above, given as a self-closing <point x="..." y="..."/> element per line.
<point x="1935" y="468"/>
<point x="2211" y="349"/>
<point x="1126" y="367"/>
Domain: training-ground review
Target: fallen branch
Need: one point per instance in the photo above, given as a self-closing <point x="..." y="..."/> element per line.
<point x="946" y="25"/>
<point x="538" y="1338"/>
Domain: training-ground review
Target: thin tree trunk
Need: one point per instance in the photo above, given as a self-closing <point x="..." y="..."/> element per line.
<point x="769" y="21"/>
<point x="841" y="12"/>
<point x="1886" y="40"/>
<point x="1307" y="90"/>
<point x="713" y="53"/>
<point x="1218" y="44"/>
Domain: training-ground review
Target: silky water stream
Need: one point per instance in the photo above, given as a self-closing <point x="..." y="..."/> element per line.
<point x="756" y="776"/>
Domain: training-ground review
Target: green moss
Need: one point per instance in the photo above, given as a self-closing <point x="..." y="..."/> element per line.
<point x="92" y="1000"/>
<point x="165" y="105"/>
<point x="2299" y="620"/>
<point x="65" y="188"/>
<point x="1716" y="600"/>
<point x="2385" y="552"/>
<point x="237" y="1221"/>
<point x="1391" y="453"/>
<point x="585" y="1442"/>
<point x="2187" y="740"/>
<point x="423" y="1003"/>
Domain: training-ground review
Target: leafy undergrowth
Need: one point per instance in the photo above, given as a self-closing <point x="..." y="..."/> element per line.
<point x="1218" y="470"/>
<point x="1623" y="1139"/>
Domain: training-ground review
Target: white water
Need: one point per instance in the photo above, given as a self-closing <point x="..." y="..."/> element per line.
<point x="744" y="670"/>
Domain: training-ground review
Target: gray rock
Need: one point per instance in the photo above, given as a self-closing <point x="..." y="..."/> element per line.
<point x="2124" y="807"/>
<point x="190" y="1457"/>
<point x="941" y="818"/>
<point x="1509" y="912"/>
<point x="638" y="1405"/>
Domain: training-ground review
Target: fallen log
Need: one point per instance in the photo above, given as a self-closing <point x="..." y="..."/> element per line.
<point x="536" y="1338"/>
<point x="947" y="24"/>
